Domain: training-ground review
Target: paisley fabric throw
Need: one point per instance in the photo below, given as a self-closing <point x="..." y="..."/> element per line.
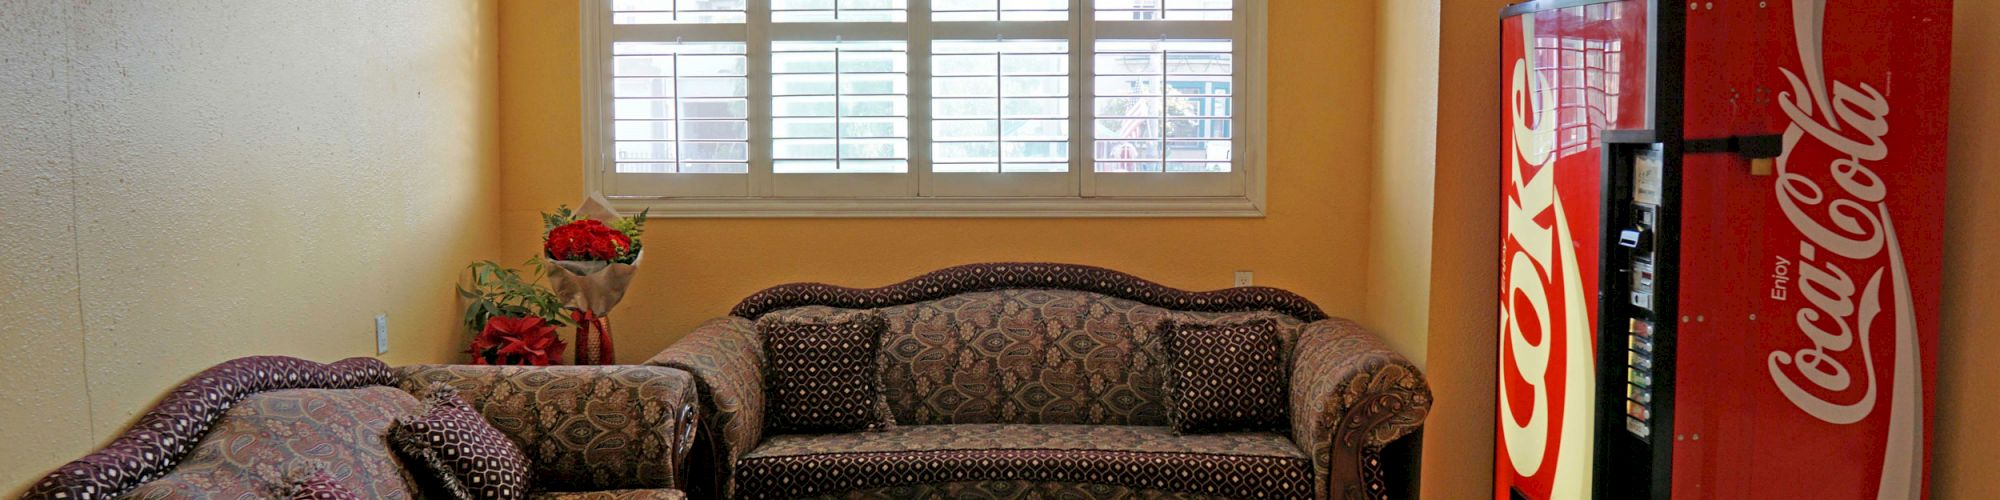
<point x="317" y="485"/>
<point x="1225" y="377"/>
<point x="154" y="445"/>
<point x="460" y="451"/>
<point x="823" y="375"/>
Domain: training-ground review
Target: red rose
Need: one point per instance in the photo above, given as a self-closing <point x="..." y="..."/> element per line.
<point x="586" y="239"/>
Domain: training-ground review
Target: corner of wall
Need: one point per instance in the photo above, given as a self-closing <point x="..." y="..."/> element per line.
<point x="1965" y="446"/>
<point x="194" y="191"/>
<point x="1464" y="276"/>
<point x="1404" y="150"/>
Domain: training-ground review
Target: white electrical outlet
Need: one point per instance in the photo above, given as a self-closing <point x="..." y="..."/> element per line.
<point x="1245" y="278"/>
<point x="381" y="334"/>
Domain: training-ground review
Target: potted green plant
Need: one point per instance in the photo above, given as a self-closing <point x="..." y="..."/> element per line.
<point x="512" y="319"/>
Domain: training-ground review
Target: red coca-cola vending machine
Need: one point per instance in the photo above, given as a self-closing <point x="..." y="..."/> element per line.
<point x="1723" y="231"/>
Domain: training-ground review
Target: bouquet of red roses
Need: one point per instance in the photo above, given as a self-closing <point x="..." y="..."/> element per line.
<point x="593" y="255"/>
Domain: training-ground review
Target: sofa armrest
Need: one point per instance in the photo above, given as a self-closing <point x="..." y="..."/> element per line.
<point x="1351" y="395"/>
<point x="583" y="428"/>
<point x="727" y="359"/>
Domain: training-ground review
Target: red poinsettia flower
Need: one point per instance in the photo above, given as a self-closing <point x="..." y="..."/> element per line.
<point x="539" y="350"/>
<point x="517" y="341"/>
<point x="586" y="239"/>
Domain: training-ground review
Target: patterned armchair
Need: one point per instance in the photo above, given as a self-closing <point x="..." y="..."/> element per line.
<point x="243" y="428"/>
<point x="1045" y="380"/>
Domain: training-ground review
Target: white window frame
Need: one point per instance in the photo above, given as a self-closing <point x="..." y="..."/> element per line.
<point x="919" y="192"/>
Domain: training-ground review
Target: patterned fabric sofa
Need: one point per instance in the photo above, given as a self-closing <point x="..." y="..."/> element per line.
<point x="244" y="428"/>
<point x="1044" y="381"/>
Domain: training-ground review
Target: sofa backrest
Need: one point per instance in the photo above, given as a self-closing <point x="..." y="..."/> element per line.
<point x="268" y="438"/>
<point x="1030" y="343"/>
<point x="582" y="428"/>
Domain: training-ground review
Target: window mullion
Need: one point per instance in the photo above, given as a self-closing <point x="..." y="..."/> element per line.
<point x="757" y="37"/>
<point x="1246" y="113"/>
<point x="839" y="117"/>
<point x="1166" y="101"/>
<point x="676" y="116"/>
<point x="1083" y="133"/>
<point x="919" y="95"/>
<point x="597" y="70"/>
<point x="1000" y="110"/>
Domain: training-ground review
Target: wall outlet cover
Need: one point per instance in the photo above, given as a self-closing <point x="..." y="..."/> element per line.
<point x="381" y="334"/>
<point x="1245" y="278"/>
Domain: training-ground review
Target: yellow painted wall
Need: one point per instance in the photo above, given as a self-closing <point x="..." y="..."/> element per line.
<point x="1966" y="450"/>
<point x="262" y="178"/>
<point x="1313" y="242"/>
<point x="1431" y="274"/>
<point x="1400" y="207"/>
<point x="1458" y="458"/>
<point x="182" y="183"/>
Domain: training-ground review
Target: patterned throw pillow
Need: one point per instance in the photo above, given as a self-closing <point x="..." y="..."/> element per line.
<point x="458" y="449"/>
<point x="1225" y="377"/>
<point x="318" y="485"/>
<point x="823" y="375"/>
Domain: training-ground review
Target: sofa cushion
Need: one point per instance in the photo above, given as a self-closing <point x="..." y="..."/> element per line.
<point x="1225" y="376"/>
<point x="1015" y="490"/>
<point x="1240" y="465"/>
<point x="246" y="450"/>
<point x="823" y="375"/>
<point x="459" y="450"/>
<point x="653" y="494"/>
<point x="1031" y="356"/>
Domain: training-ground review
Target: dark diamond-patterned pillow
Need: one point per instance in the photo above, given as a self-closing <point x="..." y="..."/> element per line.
<point x="1225" y="377"/>
<point x="823" y="376"/>
<point x="318" y="485"/>
<point x="458" y="449"/>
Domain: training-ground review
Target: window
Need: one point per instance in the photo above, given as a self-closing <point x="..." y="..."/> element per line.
<point x="924" y="107"/>
<point x="680" y="108"/>
<point x="840" y="107"/>
<point x="1000" y="106"/>
<point x="1163" y="105"/>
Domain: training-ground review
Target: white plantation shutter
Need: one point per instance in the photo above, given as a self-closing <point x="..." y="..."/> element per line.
<point x="840" y="107"/>
<point x="1000" y="10"/>
<point x="1000" y="106"/>
<point x="679" y="11"/>
<point x="680" y="108"/>
<point x="840" y="118"/>
<point x="1165" y="10"/>
<point x="1001" y="118"/>
<point x="923" y="107"/>
<point x="820" y="11"/>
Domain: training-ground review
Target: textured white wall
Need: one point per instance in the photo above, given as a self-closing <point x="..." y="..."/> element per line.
<point x="186" y="182"/>
<point x="41" y="333"/>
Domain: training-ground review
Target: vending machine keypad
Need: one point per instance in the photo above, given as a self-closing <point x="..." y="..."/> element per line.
<point x="1639" y="378"/>
<point x="1638" y="243"/>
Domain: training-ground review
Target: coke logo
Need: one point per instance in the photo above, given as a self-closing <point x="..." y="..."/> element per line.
<point x="1835" y="133"/>
<point x="1543" y="277"/>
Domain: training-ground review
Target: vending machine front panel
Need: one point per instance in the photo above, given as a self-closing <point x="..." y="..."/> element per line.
<point x="1722" y="280"/>
<point x="1809" y="310"/>
<point x="1569" y="73"/>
